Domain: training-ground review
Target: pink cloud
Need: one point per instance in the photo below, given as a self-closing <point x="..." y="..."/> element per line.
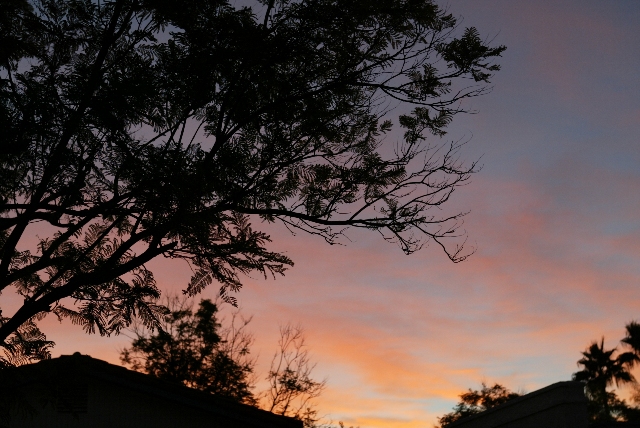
<point x="416" y="331"/>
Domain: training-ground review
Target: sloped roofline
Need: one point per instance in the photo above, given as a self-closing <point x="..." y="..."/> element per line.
<point x="85" y="365"/>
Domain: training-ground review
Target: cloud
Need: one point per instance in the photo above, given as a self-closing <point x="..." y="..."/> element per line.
<point x="417" y="330"/>
<point x="399" y="337"/>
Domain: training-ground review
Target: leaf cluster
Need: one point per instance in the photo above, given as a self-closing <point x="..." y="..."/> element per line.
<point x="27" y="345"/>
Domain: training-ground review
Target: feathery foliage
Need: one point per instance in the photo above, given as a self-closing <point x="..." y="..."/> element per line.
<point x="136" y="129"/>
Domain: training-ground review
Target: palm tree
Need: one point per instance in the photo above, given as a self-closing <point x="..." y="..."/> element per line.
<point x="632" y="340"/>
<point x="633" y="337"/>
<point x="601" y="370"/>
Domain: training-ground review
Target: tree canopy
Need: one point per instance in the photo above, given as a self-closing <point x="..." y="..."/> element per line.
<point x="600" y="369"/>
<point x="202" y="351"/>
<point x="136" y="129"/>
<point x="603" y="368"/>
<point x="473" y="402"/>
<point x="194" y="349"/>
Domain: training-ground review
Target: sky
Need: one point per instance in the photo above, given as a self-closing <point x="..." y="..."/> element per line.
<point x="555" y="219"/>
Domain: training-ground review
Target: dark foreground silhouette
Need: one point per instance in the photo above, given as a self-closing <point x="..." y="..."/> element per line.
<point x="561" y="405"/>
<point x="137" y="129"/>
<point x="81" y="391"/>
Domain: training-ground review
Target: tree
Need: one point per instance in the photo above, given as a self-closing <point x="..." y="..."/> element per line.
<point x="136" y="129"/>
<point x="291" y="388"/>
<point x="601" y="370"/>
<point x="193" y="349"/>
<point x="473" y="402"/>
<point x="196" y="350"/>
<point x="632" y="339"/>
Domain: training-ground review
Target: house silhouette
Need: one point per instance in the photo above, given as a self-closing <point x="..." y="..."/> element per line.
<point x="80" y="391"/>
<point x="559" y="405"/>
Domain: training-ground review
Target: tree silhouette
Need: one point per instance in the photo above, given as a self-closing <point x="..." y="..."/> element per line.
<point x="473" y="402"/>
<point x="193" y="349"/>
<point x="196" y="350"/>
<point x="632" y="339"/>
<point x="601" y="370"/>
<point x="291" y="388"/>
<point x="136" y="129"/>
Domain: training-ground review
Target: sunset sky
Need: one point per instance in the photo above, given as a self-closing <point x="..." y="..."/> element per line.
<point x="555" y="217"/>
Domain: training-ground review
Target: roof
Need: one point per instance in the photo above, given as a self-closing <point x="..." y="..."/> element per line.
<point x="560" y="404"/>
<point x="67" y="366"/>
